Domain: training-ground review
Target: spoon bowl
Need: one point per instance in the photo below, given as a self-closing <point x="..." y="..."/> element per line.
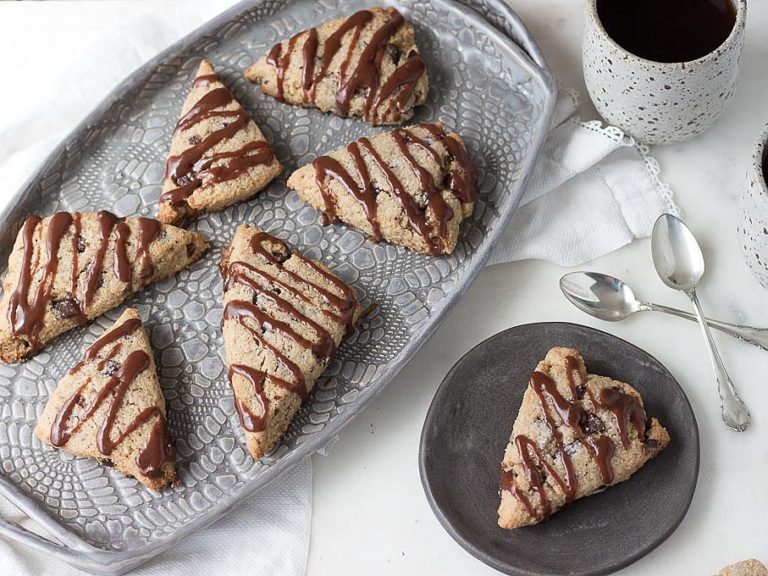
<point x="600" y="295"/>
<point x="676" y="253"/>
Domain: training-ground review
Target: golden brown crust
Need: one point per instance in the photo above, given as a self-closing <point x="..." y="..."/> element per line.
<point x="444" y="174"/>
<point x="398" y="60"/>
<point x="606" y="441"/>
<point x="241" y="161"/>
<point x="143" y="393"/>
<point x="83" y="282"/>
<point x="282" y="323"/>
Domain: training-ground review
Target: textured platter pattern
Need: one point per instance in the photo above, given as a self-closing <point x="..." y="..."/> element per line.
<point x="482" y="85"/>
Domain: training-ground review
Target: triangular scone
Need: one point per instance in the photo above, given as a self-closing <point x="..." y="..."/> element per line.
<point x="110" y="407"/>
<point x="284" y="317"/>
<point x="575" y="433"/>
<point x="218" y="154"/>
<point x="411" y="186"/>
<point x="366" y="65"/>
<point x="69" y="268"/>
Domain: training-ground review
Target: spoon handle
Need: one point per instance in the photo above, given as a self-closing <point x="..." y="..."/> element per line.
<point x="735" y="413"/>
<point x="756" y="336"/>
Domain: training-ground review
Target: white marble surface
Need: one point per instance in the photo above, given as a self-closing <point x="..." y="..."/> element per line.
<point x="370" y="513"/>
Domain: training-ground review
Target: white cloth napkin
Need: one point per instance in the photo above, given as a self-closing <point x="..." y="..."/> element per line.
<point x="266" y="534"/>
<point x="593" y="191"/>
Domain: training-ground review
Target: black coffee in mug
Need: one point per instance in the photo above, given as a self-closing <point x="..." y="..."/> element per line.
<point x="668" y="30"/>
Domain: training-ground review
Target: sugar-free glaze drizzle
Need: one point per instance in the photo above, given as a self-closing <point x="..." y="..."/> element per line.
<point x="458" y="178"/>
<point x="27" y="307"/>
<point x="75" y="411"/>
<point x="197" y="167"/>
<point x="362" y="77"/>
<point x="277" y="286"/>
<point x="586" y="428"/>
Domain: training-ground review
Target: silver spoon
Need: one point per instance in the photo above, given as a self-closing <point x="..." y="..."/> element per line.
<point x="612" y="299"/>
<point x="680" y="264"/>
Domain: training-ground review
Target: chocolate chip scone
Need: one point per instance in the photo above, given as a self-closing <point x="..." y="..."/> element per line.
<point x="575" y="434"/>
<point x="366" y="65"/>
<point x="69" y="268"/>
<point x="745" y="568"/>
<point x="110" y="407"/>
<point x="284" y="317"/>
<point x="218" y="154"/>
<point x="411" y="186"/>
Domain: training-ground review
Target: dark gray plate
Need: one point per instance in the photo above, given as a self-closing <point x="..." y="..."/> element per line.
<point x="468" y="426"/>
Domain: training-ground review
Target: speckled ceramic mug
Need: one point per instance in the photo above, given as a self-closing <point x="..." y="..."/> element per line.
<point x="753" y="229"/>
<point x="659" y="103"/>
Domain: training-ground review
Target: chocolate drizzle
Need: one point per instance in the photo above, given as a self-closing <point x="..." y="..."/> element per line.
<point x="404" y="77"/>
<point x="361" y="187"/>
<point x="197" y="167"/>
<point x="364" y="77"/>
<point x="125" y="329"/>
<point x="239" y="310"/>
<point x="281" y="63"/>
<point x="627" y="410"/>
<point x="106" y="222"/>
<point x="276" y="287"/>
<point x="309" y="51"/>
<point x="24" y="316"/>
<point x="328" y="167"/>
<point x="122" y="266"/>
<point x="158" y="449"/>
<point x="250" y="421"/>
<point x="149" y="231"/>
<point x="40" y="261"/>
<point x="587" y="429"/>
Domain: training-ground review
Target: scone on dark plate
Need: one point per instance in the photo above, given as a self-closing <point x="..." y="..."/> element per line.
<point x="412" y="186"/>
<point x="218" y="154"/>
<point x="366" y="65"/>
<point x="575" y="434"/>
<point x="284" y="317"/>
<point x="110" y="407"/>
<point x="69" y="268"/>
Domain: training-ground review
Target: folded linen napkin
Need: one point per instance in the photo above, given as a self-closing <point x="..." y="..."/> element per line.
<point x="592" y="191"/>
<point x="587" y="175"/>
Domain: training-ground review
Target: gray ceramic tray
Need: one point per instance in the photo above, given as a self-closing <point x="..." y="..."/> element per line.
<point x="489" y="83"/>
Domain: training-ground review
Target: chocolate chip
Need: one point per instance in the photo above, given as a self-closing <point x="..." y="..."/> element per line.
<point x="591" y="424"/>
<point x="80" y="244"/>
<point x="110" y="368"/>
<point x="190" y="248"/>
<point x="194" y="140"/>
<point x="184" y="180"/>
<point x="66" y="308"/>
<point x="395" y="53"/>
<point x="280" y="252"/>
